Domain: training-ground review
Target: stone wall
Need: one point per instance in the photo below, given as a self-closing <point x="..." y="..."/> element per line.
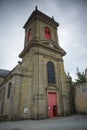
<point x="1" y="80"/>
<point x="2" y="93"/>
<point x="81" y="98"/>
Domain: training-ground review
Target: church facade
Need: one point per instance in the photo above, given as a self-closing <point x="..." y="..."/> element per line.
<point x="38" y="87"/>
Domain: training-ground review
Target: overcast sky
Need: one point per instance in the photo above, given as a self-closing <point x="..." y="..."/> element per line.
<point x="72" y="32"/>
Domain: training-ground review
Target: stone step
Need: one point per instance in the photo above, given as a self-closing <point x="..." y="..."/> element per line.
<point x="3" y="118"/>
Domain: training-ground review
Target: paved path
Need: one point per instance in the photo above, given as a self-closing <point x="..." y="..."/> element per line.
<point x="64" y="123"/>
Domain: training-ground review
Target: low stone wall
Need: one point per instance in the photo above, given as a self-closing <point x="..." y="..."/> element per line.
<point x="81" y="98"/>
<point x="3" y="118"/>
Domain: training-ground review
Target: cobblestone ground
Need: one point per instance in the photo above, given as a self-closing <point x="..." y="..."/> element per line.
<point x="65" y="123"/>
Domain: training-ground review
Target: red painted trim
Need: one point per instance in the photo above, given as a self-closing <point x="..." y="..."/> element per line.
<point x="47" y="33"/>
<point x="29" y="34"/>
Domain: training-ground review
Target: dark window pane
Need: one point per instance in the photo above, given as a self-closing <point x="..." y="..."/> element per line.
<point x="51" y="72"/>
<point x="9" y="89"/>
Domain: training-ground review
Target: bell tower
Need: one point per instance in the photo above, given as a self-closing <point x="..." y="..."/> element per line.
<point x="40" y="27"/>
<point x="43" y="59"/>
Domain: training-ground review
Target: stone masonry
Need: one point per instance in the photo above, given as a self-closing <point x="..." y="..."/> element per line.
<point x="29" y="79"/>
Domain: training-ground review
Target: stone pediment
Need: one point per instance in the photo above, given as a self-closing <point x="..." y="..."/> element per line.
<point x="54" y="46"/>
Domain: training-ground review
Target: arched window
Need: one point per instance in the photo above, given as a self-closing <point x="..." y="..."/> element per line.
<point x="51" y="73"/>
<point x="47" y="33"/>
<point x="9" y="90"/>
<point x="29" y="34"/>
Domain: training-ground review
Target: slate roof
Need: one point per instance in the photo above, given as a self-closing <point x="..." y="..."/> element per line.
<point x="4" y="73"/>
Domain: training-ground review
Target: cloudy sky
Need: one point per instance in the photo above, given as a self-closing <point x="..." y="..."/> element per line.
<point x="72" y="32"/>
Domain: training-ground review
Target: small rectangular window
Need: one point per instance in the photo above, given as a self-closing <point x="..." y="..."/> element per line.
<point x="9" y="90"/>
<point x="29" y="34"/>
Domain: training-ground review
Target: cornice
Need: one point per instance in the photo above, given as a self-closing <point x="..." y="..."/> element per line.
<point x="34" y="43"/>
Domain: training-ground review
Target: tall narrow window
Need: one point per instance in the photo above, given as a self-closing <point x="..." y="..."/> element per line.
<point x="51" y="73"/>
<point x="29" y="34"/>
<point x="9" y="90"/>
<point x="47" y="33"/>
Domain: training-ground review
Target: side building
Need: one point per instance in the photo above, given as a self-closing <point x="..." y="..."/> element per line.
<point x="38" y="87"/>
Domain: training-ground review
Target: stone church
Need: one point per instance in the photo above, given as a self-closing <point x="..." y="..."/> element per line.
<point x="38" y="87"/>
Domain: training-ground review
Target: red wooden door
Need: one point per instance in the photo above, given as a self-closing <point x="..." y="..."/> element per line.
<point x="52" y="104"/>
